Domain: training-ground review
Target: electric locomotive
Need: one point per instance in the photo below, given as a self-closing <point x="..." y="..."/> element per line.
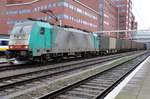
<point x="36" y="40"/>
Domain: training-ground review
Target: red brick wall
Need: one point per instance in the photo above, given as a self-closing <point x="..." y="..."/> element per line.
<point x="91" y="3"/>
<point x="110" y="17"/>
<point x="8" y="18"/>
<point x="17" y="1"/>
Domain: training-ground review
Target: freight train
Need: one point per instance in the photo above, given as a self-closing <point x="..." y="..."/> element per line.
<point x="39" y="40"/>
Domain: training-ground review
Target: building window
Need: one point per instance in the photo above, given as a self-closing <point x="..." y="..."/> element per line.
<point x="71" y="7"/>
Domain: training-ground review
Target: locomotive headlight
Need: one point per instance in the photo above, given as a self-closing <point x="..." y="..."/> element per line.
<point x="10" y="47"/>
<point x="26" y="47"/>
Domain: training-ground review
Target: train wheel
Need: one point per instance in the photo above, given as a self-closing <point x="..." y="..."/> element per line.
<point x="59" y="59"/>
<point x="43" y="59"/>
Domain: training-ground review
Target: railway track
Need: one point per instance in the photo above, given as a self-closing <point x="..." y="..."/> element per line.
<point x="97" y="86"/>
<point x="8" y="66"/>
<point x="9" y="84"/>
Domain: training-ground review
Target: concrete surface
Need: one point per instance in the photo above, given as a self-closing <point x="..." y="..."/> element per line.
<point x="139" y="86"/>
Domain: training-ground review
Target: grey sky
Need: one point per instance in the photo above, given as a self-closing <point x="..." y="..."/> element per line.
<point x="141" y="10"/>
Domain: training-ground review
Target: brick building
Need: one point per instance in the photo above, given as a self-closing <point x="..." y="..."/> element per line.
<point x="68" y="12"/>
<point x="17" y="1"/>
<point x="109" y="11"/>
<point x="90" y="15"/>
<point x="126" y="17"/>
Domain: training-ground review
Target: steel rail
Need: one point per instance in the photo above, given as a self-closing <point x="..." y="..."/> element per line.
<point x="52" y="71"/>
<point x="63" y="91"/>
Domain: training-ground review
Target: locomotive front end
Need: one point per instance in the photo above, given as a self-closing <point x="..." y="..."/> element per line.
<point x="19" y="41"/>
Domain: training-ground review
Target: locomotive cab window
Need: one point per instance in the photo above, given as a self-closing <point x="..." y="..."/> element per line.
<point x="42" y="30"/>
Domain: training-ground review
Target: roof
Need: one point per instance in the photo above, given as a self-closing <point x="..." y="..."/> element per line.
<point x="43" y="24"/>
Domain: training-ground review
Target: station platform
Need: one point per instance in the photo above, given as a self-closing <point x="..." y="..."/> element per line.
<point x="136" y="85"/>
